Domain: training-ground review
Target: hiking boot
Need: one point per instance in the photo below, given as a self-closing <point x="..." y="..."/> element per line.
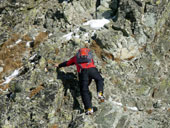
<point x="89" y="111"/>
<point x="100" y="97"/>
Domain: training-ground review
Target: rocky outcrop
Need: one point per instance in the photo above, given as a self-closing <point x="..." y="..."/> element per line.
<point x="130" y="43"/>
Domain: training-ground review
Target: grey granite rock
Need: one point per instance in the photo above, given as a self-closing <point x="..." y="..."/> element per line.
<point x="131" y="52"/>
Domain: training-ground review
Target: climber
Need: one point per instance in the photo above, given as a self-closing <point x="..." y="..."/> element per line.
<point x="86" y="72"/>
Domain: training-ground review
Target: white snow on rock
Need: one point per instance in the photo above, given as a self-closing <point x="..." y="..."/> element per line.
<point x="1" y="69"/>
<point x="117" y="103"/>
<point x="132" y="108"/>
<point x="77" y="36"/>
<point x="68" y="36"/>
<point x="9" y="78"/>
<point x="97" y="24"/>
<point x="18" y="41"/>
<point x="121" y="105"/>
<point x="50" y="34"/>
<point x="13" y="45"/>
<point x="32" y="57"/>
<point x="86" y="34"/>
<point x="28" y="44"/>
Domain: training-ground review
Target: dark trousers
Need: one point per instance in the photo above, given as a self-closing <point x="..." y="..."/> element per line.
<point x="85" y="78"/>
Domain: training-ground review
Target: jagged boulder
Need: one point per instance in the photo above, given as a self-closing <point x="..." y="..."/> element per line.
<point x="78" y="12"/>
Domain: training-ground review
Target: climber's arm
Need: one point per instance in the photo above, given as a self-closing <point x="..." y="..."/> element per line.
<point x="66" y="63"/>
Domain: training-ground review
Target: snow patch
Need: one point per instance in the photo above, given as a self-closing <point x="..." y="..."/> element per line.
<point x="121" y="105"/>
<point x="117" y="103"/>
<point x="86" y="34"/>
<point x="50" y="34"/>
<point x="158" y="63"/>
<point x="133" y="108"/>
<point x="97" y="24"/>
<point x="76" y="30"/>
<point x="27" y="98"/>
<point x="4" y="90"/>
<point x="93" y="33"/>
<point x="68" y="36"/>
<point x="32" y="57"/>
<point x="77" y="36"/>
<point x="28" y="44"/>
<point x="9" y="78"/>
<point x="18" y="41"/>
<point x="33" y="37"/>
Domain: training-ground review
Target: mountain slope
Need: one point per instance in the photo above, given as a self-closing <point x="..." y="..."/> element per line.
<point x="130" y="43"/>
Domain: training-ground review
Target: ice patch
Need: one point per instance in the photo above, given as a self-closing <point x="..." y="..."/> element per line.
<point x="97" y="24"/>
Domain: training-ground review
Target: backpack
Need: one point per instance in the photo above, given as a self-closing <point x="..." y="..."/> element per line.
<point x="84" y="55"/>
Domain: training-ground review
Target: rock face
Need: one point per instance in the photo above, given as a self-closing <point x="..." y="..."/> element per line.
<point x="130" y="42"/>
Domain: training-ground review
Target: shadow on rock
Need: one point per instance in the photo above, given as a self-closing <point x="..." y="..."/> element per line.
<point x="61" y="1"/>
<point x="70" y="82"/>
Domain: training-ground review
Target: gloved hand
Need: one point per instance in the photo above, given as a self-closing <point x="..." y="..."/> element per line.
<point x="56" y="65"/>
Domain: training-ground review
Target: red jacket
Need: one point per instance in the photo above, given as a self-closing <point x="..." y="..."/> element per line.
<point x="73" y="61"/>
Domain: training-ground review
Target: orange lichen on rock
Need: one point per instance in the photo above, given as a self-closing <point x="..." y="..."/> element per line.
<point x="4" y="87"/>
<point x="149" y="111"/>
<point x="155" y="90"/>
<point x="100" y="52"/>
<point x="109" y="56"/>
<point x="40" y="38"/>
<point x="56" y="51"/>
<point x="131" y="57"/>
<point x="36" y="91"/>
<point x="117" y="59"/>
<point x="10" y="41"/>
<point x="26" y="38"/>
<point x="125" y="109"/>
<point x="10" y="55"/>
<point x="54" y="126"/>
<point x="142" y="48"/>
<point x="168" y="109"/>
<point x="96" y="48"/>
<point x="13" y="50"/>
<point x="51" y="62"/>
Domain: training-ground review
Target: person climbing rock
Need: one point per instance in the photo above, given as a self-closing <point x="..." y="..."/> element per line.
<point x="86" y="72"/>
